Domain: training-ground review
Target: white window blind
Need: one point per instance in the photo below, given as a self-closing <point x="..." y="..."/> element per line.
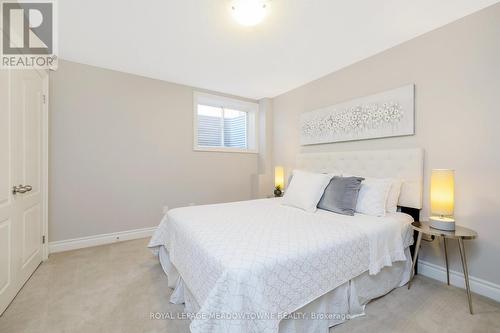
<point x="210" y="128"/>
<point x="223" y="124"/>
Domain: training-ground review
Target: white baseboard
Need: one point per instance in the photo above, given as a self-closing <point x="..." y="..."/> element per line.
<point x="80" y="243"/>
<point x="477" y="285"/>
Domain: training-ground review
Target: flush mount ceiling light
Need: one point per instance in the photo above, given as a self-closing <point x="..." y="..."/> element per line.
<point x="249" y="12"/>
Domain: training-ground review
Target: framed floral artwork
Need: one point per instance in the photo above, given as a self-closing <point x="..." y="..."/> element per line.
<point x="386" y="114"/>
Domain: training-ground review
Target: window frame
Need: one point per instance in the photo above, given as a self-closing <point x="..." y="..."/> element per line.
<point x="252" y="110"/>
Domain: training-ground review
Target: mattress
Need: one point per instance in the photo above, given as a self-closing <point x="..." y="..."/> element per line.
<point x="250" y="264"/>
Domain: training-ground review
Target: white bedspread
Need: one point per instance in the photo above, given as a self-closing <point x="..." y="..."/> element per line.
<point x="260" y="260"/>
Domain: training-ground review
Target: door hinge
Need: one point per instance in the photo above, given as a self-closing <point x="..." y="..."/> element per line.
<point x="43" y="239"/>
<point x="44" y="98"/>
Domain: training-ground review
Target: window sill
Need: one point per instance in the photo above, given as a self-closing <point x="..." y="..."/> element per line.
<point x="226" y="150"/>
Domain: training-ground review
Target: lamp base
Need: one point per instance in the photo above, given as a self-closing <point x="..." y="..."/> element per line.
<point x="442" y="223"/>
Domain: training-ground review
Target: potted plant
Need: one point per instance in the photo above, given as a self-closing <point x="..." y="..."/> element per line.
<point x="277" y="191"/>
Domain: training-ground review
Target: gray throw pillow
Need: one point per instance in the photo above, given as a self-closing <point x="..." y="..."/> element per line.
<point x="341" y="195"/>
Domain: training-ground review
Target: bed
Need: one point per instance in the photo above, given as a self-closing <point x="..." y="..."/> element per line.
<point x="259" y="266"/>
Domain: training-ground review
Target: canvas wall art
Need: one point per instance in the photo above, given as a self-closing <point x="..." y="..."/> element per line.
<point x="386" y="114"/>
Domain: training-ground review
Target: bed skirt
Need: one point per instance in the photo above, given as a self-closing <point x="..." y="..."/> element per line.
<point x="345" y="302"/>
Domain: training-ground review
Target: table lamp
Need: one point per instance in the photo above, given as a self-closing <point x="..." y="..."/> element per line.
<point x="279" y="181"/>
<point x="442" y="199"/>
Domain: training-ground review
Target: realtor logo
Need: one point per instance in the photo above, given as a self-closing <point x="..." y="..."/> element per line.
<point x="28" y="35"/>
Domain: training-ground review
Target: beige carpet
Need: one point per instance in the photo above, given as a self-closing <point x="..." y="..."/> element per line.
<point x="114" y="288"/>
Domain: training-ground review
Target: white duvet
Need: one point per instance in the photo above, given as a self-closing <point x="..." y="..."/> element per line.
<point x="249" y="263"/>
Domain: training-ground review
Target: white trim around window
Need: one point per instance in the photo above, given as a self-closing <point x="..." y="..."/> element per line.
<point x="252" y="130"/>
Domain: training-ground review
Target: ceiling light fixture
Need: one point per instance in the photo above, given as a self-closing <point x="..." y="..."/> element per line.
<point x="249" y="12"/>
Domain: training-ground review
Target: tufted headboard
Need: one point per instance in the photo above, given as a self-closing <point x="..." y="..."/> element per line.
<point x="405" y="164"/>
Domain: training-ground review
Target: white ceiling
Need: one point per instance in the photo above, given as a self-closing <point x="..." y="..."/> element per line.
<point x="196" y="42"/>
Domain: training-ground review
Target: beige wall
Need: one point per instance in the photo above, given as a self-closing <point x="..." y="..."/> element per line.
<point x="121" y="148"/>
<point x="456" y="70"/>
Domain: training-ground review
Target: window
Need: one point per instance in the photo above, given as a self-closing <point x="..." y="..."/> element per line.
<point x="224" y="124"/>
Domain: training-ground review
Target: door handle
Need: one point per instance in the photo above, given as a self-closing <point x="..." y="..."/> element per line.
<point x="18" y="189"/>
<point x="21" y="189"/>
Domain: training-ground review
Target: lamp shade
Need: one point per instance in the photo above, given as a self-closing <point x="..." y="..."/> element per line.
<point x="279" y="177"/>
<point x="442" y="192"/>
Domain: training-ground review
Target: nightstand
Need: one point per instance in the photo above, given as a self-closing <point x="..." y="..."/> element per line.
<point x="459" y="234"/>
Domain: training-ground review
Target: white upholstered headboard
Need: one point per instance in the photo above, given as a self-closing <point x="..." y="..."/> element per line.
<point x="405" y="164"/>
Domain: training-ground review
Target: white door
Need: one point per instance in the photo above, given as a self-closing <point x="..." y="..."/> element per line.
<point x="22" y="192"/>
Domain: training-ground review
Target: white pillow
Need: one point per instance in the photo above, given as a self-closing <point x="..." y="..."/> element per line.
<point x="305" y="190"/>
<point x="373" y="195"/>
<point x="393" y="197"/>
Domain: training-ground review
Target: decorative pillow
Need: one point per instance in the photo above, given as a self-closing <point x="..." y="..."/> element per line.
<point x="373" y="195"/>
<point x="305" y="190"/>
<point x="393" y="197"/>
<point x="332" y="173"/>
<point x="341" y="195"/>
